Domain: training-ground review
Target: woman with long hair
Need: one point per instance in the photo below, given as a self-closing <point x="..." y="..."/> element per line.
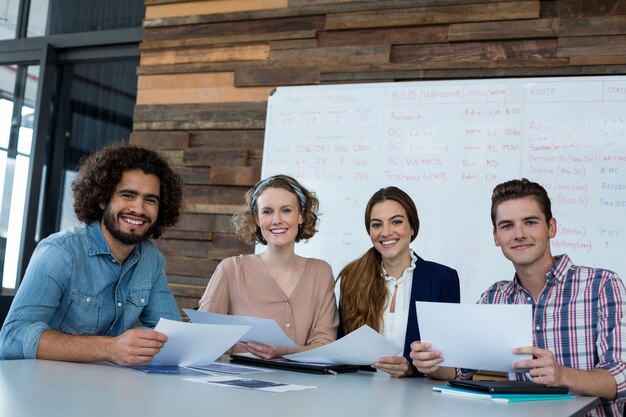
<point x="296" y="292"/>
<point x="380" y="288"/>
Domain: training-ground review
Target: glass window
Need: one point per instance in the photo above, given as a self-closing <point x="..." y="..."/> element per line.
<point x="9" y="10"/>
<point x="14" y="165"/>
<point x="102" y="97"/>
<point x="51" y="17"/>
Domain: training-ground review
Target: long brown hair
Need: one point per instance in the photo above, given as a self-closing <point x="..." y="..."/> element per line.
<point x="363" y="293"/>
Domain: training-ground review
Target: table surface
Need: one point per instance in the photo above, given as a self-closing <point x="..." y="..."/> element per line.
<point x="47" y="388"/>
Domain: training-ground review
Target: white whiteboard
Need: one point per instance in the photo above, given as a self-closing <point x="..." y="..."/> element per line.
<point x="448" y="143"/>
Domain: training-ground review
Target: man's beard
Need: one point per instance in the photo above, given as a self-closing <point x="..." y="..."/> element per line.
<point x="126" y="238"/>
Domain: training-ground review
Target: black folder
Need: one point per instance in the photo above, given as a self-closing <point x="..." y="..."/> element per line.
<point x="287" y="365"/>
<point x="508" y="387"/>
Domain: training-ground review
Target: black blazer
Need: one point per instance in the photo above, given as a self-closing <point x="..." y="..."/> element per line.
<point x="431" y="282"/>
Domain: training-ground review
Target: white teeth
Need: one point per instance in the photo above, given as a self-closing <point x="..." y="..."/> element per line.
<point x="135" y="222"/>
<point x="279" y="230"/>
<point x="388" y="242"/>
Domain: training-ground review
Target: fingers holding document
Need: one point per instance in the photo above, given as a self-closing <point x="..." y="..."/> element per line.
<point x="427" y="361"/>
<point x="136" y="346"/>
<point x="396" y="366"/>
<point x="266" y="351"/>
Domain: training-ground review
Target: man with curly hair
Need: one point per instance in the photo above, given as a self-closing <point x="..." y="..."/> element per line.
<point x="86" y="289"/>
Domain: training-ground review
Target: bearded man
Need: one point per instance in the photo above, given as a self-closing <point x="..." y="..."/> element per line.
<point x="87" y="289"/>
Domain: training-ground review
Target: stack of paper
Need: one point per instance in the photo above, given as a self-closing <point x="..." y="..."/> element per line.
<point x="505" y="398"/>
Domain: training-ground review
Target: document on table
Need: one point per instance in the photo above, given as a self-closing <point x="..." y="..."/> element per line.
<point x="262" y="330"/>
<point x="476" y="336"/>
<point x="193" y="343"/>
<point x="363" y="346"/>
<point x="255" y="384"/>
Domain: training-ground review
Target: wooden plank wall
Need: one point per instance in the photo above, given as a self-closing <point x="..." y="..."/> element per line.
<point x="207" y="68"/>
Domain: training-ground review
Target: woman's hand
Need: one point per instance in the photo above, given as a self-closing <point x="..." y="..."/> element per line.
<point x="267" y="351"/>
<point x="396" y="366"/>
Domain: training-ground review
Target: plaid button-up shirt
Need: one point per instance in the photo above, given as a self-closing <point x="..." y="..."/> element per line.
<point x="579" y="317"/>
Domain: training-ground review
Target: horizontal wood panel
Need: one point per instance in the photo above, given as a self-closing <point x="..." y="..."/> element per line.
<point x="160" y="140"/>
<point x="190" y="294"/>
<point x="249" y="77"/>
<point x="200" y="125"/>
<point x="225" y="139"/>
<point x="223" y="111"/>
<point x="185" y="280"/>
<point x="177" y="247"/>
<point x="215" y="223"/>
<point x="221" y="246"/>
<point x="475" y="51"/>
<point x="582" y="8"/>
<point x="230" y="39"/>
<point x="230" y="195"/>
<point x="592" y="45"/>
<point x="230" y="94"/>
<point x="542" y="28"/>
<point x="185" y="265"/>
<point x="435" y="15"/>
<point x="605" y="25"/>
<point x="235" y="175"/>
<point x="206" y="208"/>
<point x="390" y="36"/>
<point x="183" y="81"/>
<point x="323" y="56"/>
<point x="612" y="62"/>
<point x="293" y="44"/>
<point x="307" y="25"/>
<point x="215" y="158"/>
<point x="253" y="52"/>
<point x="187" y="234"/>
<point x="195" y="175"/>
<point x="160" y="11"/>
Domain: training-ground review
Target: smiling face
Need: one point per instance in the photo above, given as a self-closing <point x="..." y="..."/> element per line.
<point x="523" y="233"/>
<point x="278" y="216"/>
<point x="390" y="230"/>
<point x="130" y="215"/>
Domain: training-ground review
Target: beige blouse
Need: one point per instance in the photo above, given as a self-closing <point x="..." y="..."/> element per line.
<point x="241" y="286"/>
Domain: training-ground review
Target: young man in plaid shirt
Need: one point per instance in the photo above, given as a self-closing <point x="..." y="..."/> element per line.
<point x="579" y="330"/>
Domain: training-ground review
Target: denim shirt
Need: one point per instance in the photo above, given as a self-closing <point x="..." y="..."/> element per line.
<point x="74" y="284"/>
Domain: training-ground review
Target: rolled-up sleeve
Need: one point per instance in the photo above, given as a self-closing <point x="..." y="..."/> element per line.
<point x="36" y="301"/>
<point x="611" y="340"/>
<point x="326" y="318"/>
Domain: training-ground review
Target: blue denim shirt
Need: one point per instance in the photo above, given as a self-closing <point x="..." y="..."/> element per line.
<point x="74" y="284"/>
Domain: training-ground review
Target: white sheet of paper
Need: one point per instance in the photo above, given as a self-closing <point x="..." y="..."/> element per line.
<point x="192" y="343"/>
<point x="476" y="336"/>
<point x="364" y="346"/>
<point x="262" y="330"/>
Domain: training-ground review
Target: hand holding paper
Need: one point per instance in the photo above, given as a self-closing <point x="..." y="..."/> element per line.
<point x="192" y="344"/>
<point x="478" y="336"/>
<point x="364" y="346"/>
<point x="265" y="331"/>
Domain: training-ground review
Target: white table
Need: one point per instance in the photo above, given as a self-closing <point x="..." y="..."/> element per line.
<point x="33" y="388"/>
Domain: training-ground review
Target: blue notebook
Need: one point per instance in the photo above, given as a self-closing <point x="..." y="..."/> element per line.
<point x="505" y="398"/>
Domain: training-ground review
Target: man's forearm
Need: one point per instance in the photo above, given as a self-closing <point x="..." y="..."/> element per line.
<point x="595" y="382"/>
<point x="55" y="345"/>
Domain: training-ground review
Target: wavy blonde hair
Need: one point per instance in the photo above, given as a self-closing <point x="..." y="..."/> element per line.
<point x="245" y="219"/>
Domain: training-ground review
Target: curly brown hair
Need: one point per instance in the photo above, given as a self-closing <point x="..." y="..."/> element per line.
<point x="101" y="171"/>
<point x="245" y="220"/>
